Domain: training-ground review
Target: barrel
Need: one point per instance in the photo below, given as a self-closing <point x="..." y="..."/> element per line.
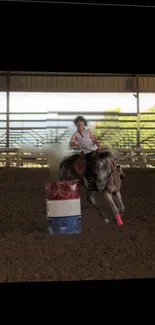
<point x="63" y="206"/>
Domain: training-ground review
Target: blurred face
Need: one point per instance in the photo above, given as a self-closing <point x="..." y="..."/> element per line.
<point x="80" y="125"/>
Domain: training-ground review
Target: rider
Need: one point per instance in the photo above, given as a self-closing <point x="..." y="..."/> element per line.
<point x="86" y="141"/>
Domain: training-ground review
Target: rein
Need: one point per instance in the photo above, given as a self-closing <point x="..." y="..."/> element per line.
<point x="84" y="147"/>
<point x="88" y="149"/>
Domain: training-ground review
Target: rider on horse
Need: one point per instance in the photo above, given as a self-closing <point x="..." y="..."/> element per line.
<point x="87" y="142"/>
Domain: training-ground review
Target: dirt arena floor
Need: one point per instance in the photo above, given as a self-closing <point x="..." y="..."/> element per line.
<point x="102" y="251"/>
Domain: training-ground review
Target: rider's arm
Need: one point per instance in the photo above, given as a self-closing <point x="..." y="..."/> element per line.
<point x="92" y="137"/>
<point x="73" y="142"/>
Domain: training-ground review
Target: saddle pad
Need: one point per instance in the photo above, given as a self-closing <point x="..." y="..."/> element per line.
<point x="79" y="166"/>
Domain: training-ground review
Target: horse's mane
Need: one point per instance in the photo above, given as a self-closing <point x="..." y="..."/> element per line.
<point x="105" y="154"/>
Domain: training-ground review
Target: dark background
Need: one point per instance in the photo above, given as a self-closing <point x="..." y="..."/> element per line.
<point x="70" y="38"/>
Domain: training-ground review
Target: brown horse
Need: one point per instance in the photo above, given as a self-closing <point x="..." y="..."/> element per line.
<point x="105" y="175"/>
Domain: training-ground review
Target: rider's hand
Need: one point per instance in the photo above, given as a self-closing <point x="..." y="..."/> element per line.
<point x="74" y="145"/>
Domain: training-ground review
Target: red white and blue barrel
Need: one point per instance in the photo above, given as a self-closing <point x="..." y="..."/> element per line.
<point x="63" y="207"/>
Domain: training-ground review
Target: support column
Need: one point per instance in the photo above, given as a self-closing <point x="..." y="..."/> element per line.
<point x="138" y="112"/>
<point x="8" y="111"/>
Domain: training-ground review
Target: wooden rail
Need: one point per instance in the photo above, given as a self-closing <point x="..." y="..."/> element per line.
<point x="128" y="158"/>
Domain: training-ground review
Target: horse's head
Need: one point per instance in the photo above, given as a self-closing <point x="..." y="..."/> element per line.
<point x="101" y="168"/>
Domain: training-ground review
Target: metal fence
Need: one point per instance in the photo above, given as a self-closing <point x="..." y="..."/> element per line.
<point x="112" y="129"/>
<point x="127" y="158"/>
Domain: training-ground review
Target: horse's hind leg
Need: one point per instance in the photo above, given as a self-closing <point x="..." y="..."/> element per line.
<point x="118" y="201"/>
<point x="115" y="212"/>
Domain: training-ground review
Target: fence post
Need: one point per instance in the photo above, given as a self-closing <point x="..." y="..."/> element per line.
<point x="18" y="159"/>
<point x="8" y="111"/>
<point x="144" y="159"/>
<point x="138" y="112"/>
<point x="132" y="157"/>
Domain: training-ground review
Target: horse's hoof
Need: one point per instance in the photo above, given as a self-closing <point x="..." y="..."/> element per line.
<point x="106" y="220"/>
<point x="92" y="201"/>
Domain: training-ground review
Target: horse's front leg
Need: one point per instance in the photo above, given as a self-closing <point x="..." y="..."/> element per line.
<point x="115" y="212"/>
<point x="91" y="198"/>
<point x="118" y="200"/>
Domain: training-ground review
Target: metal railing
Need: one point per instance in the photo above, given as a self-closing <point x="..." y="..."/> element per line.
<point x="112" y="129"/>
<point x="127" y="158"/>
<point x="111" y="138"/>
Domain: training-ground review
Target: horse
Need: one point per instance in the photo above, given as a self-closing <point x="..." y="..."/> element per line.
<point x="105" y="177"/>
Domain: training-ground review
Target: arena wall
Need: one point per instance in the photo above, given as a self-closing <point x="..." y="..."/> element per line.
<point x="56" y="82"/>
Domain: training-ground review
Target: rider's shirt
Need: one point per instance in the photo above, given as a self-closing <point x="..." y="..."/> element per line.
<point x="84" y="141"/>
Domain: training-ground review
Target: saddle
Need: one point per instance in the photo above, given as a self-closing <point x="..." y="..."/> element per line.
<point x="80" y="164"/>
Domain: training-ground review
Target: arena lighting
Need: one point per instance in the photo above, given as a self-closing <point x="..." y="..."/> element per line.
<point x="84" y="3"/>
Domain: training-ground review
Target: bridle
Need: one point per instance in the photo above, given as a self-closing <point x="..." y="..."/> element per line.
<point x="107" y="179"/>
<point x="111" y="172"/>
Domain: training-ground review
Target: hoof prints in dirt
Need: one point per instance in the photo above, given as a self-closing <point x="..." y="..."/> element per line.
<point x="102" y="251"/>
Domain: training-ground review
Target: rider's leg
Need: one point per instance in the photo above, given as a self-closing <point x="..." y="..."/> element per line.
<point x="87" y="170"/>
<point x="88" y="165"/>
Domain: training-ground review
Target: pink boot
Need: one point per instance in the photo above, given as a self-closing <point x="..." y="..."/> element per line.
<point x="118" y="219"/>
